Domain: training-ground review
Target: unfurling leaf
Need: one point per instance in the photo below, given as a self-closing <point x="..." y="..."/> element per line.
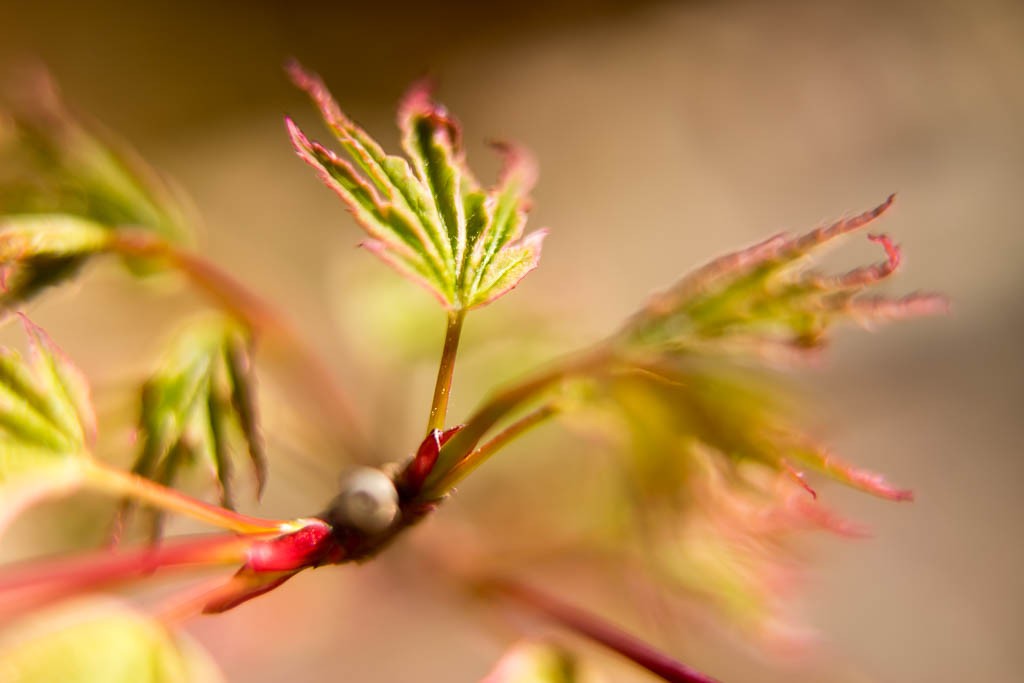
<point x="46" y="423"/>
<point x="199" y="407"/>
<point x="100" y="640"/>
<point x="430" y="220"/>
<point x="537" y="662"/>
<point x="79" y="183"/>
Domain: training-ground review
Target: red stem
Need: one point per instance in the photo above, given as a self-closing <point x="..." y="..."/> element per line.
<point x="600" y="631"/>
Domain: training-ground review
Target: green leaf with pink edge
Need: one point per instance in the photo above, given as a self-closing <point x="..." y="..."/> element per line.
<point x="100" y="640"/>
<point x="46" y="424"/>
<point x="764" y="301"/>
<point x="426" y="215"/>
<point x="199" y="408"/>
<point x="539" y="662"/>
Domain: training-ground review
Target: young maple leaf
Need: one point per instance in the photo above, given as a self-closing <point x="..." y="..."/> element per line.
<point x="427" y="216"/>
<point x="764" y="301"/>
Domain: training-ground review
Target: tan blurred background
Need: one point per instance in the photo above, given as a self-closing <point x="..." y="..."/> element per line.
<point x="667" y="133"/>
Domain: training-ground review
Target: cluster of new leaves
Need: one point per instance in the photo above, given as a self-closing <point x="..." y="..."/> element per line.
<point x="64" y="189"/>
<point x="699" y="342"/>
<point x="710" y="450"/>
<point x="46" y="423"/>
<point x="431" y="220"/>
<point x="199" y="405"/>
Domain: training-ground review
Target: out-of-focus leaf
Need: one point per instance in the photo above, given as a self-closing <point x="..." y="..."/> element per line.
<point x="538" y="662"/>
<point x="741" y="414"/>
<point x="46" y="423"/>
<point x="713" y="456"/>
<point x="727" y="535"/>
<point x="430" y="219"/>
<point x="52" y="165"/>
<point x="199" y="407"/>
<point x="100" y="641"/>
<point x="55" y="164"/>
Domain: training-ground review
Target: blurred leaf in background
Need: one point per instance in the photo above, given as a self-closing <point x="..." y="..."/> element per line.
<point x="62" y="185"/>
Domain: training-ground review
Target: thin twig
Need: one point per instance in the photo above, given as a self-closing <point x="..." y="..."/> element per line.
<point x="481" y="453"/>
<point x="499" y="405"/>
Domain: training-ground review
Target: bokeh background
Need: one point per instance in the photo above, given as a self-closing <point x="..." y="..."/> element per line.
<point x="667" y="132"/>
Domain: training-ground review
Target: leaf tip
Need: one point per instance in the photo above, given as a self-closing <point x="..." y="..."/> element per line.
<point x="299" y="141"/>
<point x="299" y="75"/>
<point x="418" y="104"/>
<point x="892" y="250"/>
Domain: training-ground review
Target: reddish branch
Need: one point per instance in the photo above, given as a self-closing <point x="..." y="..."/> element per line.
<point x="597" y="629"/>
